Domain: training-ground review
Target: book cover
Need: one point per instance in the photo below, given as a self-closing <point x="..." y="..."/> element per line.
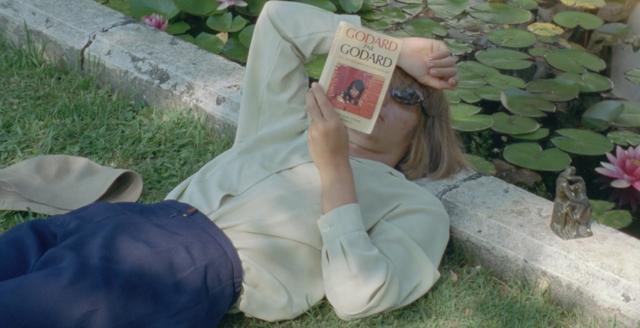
<point x="357" y="73"/>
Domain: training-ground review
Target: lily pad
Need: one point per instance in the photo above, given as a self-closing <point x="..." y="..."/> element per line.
<point x="589" y="82"/>
<point x="458" y="48"/>
<point x="468" y="95"/>
<point x="210" y="42"/>
<point x="524" y="4"/>
<point x="448" y="8"/>
<point x="488" y="92"/>
<point x="500" y="13"/>
<point x="600" y="206"/>
<point x="601" y="115"/>
<point x="624" y="138"/>
<point x="392" y="14"/>
<point x="554" y="89"/>
<point x="513" y="124"/>
<point x="481" y="165"/>
<point x="545" y="29"/>
<point x="245" y="36"/>
<point x="424" y="27"/>
<point x="572" y="19"/>
<point x="582" y="142"/>
<point x="525" y="104"/>
<point x="584" y="4"/>
<point x="633" y="75"/>
<point x="178" y="28"/>
<point x="378" y="25"/>
<point x="574" y="61"/>
<point x="452" y="97"/>
<point x="324" y="4"/>
<point x="504" y="59"/>
<point x="315" y="65"/>
<point x="413" y="9"/>
<point x="539" y="51"/>
<point x="533" y="136"/>
<point x="531" y="156"/>
<point x="351" y="6"/>
<point x="512" y="38"/>
<point x="617" y="219"/>
<point x="503" y="82"/>
<point x="234" y="50"/>
<point x="166" y="8"/>
<point x="197" y="7"/>
<point x="630" y="116"/>
<point x="226" y="22"/>
<point x="465" y="117"/>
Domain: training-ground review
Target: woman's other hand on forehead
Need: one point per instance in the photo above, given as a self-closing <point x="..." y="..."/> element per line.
<point x="429" y="61"/>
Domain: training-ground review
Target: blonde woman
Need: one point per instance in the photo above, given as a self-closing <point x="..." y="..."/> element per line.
<point x="292" y="213"/>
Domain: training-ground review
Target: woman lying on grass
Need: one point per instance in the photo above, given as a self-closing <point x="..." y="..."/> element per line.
<point x="290" y="214"/>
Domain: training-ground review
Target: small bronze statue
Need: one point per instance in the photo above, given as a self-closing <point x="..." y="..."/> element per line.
<point x="571" y="217"/>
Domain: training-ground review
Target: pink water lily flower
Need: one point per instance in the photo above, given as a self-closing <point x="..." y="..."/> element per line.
<point x="624" y="168"/>
<point x="156" y="21"/>
<point x="224" y="4"/>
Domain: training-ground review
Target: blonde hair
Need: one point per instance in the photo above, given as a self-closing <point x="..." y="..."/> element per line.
<point x="435" y="150"/>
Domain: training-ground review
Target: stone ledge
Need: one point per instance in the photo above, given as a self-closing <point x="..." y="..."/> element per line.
<point x="505" y="228"/>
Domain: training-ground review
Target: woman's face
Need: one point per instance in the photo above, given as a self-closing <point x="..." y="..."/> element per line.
<point x="394" y="129"/>
<point x="354" y="92"/>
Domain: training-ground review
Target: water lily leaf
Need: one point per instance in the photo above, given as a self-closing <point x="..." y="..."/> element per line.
<point x="226" y="22"/>
<point x="465" y="117"/>
<point x="475" y="68"/>
<point x="500" y="13"/>
<point x="531" y="156"/>
<point x="351" y="6"/>
<point x="554" y="89"/>
<point x="458" y="48"/>
<point x="525" y="104"/>
<point x="513" y="124"/>
<point x="624" y="138"/>
<point x="512" y="38"/>
<point x="504" y="82"/>
<point x="488" y="92"/>
<point x="582" y="142"/>
<point x="209" y="42"/>
<point x="324" y="4"/>
<point x="617" y="219"/>
<point x="178" y="28"/>
<point x="539" y="51"/>
<point x="467" y="83"/>
<point x="533" y="136"/>
<point x="589" y="82"/>
<point x="524" y="4"/>
<point x="468" y="95"/>
<point x="392" y="14"/>
<point x="315" y="65"/>
<point x="614" y="30"/>
<point x="448" y="8"/>
<point x="234" y="50"/>
<point x="378" y="25"/>
<point x="187" y="37"/>
<point x="571" y="19"/>
<point x="633" y="75"/>
<point x="584" y="4"/>
<point x="452" y="97"/>
<point x="196" y="7"/>
<point x="413" y="9"/>
<point x="600" y="206"/>
<point x="601" y="115"/>
<point x="424" y="27"/>
<point x="545" y="29"/>
<point x="574" y="61"/>
<point x="245" y="36"/>
<point x="630" y="116"/>
<point x="166" y="8"/>
<point x="504" y="58"/>
<point x="481" y="165"/>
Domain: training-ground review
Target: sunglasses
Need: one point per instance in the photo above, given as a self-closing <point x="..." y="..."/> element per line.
<point x="408" y="96"/>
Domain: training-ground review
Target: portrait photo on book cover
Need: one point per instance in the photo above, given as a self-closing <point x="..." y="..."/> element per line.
<point x="354" y="90"/>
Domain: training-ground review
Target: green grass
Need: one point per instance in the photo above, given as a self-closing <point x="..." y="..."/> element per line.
<point x="45" y="110"/>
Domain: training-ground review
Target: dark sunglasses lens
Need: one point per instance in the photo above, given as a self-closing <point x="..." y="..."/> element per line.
<point x="406" y="96"/>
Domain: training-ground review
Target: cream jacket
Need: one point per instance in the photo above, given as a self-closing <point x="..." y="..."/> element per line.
<point x="379" y="254"/>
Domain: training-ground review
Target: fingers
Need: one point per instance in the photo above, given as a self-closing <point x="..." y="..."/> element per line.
<point x="443" y="73"/>
<point x="312" y="107"/>
<point x="448" y="61"/>
<point x="325" y="106"/>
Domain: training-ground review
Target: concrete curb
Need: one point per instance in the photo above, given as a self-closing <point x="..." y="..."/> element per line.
<point x="504" y="227"/>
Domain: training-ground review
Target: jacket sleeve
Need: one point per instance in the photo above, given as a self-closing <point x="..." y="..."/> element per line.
<point x="286" y="35"/>
<point x="387" y="267"/>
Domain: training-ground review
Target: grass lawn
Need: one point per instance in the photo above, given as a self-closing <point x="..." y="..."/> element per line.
<point x="47" y="110"/>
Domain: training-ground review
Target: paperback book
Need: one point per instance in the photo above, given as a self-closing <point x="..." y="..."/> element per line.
<point x="357" y="73"/>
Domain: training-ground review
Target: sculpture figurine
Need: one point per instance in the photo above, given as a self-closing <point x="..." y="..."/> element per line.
<point x="571" y="216"/>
